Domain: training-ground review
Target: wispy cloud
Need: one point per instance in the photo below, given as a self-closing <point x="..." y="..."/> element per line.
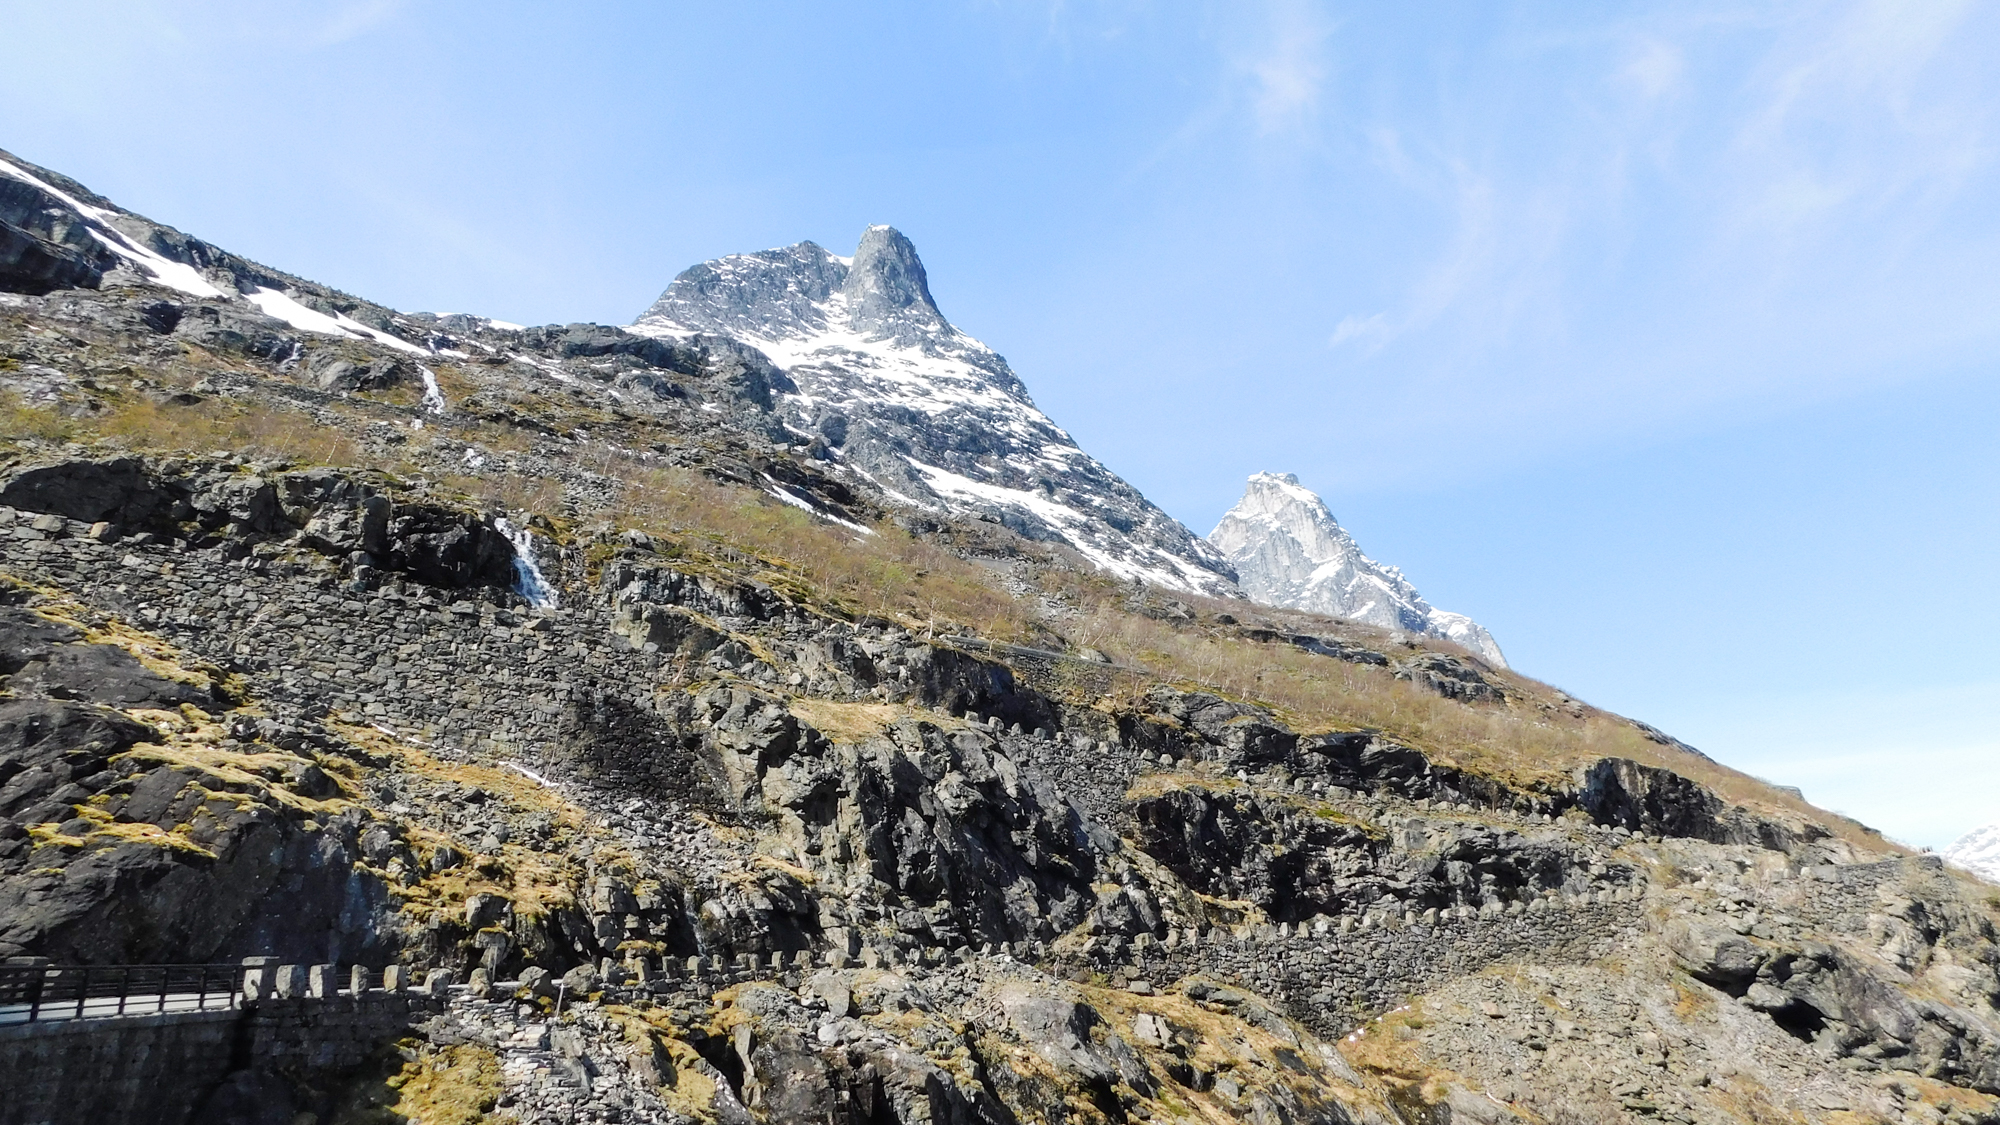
<point x="353" y="20"/>
<point x="1855" y="113"/>
<point x="1655" y="68"/>
<point x="1723" y="188"/>
<point x="1288" y="67"/>
<point x="1369" y="332"/>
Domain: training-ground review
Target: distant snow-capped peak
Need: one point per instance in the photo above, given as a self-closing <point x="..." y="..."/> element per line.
<point x="1978" y="851"/>
<point x="1288" y="550"/>
<point x="930" y="415"/>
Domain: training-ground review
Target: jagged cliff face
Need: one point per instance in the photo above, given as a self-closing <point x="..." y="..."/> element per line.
<point x="313" y="697"/>
<point x="891" y="391"/>
<point x="1288" y="550"/>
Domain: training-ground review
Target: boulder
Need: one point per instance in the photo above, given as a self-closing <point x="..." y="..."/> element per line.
<point x="1648" y="800"/>
<point x="35" y="732"/>
<point x="1624" y="793"/>
<point x="1448" y="676"/>
<point x="331" y="372"/>
<point x="119" y="490"/>
<point x="537" y="981"/>
<point x="1718" y="956"/>
<point x="26" y="635"/>
<point x="103" y="674"/>
<point x="1057" y="1029"/>
<point x="582" y="981"/>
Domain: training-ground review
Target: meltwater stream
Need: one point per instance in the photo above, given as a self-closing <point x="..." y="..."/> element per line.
<point x="528" y="580"/>
<point x="433" y="394"/>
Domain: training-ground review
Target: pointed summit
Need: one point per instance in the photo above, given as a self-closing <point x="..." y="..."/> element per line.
<point x="882" y="293"/>
<point x="1288" y="550"/>
<point x="897" y="396"/>
<point x="886" y="288"/>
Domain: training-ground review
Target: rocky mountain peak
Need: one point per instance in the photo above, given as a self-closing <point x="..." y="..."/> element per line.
<point x="1288" y="550"/>
<point x="771" y="294"/>
<point x="886" y="288"/>
<point x="893" y="394"/>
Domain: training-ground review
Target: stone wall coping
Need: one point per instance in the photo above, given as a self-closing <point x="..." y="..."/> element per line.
<point x="99" y="1025"/>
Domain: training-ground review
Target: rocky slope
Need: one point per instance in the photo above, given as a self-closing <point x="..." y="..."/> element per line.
<point x="884" y="386"/>
<point x="1288" y="550"/>
<point x="743" y="815"/>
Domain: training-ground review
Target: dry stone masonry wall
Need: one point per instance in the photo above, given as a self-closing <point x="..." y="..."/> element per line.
<point x="204" y="1065"/>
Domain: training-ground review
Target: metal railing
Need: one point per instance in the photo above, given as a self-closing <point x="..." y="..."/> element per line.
<point x="31" y="993"/>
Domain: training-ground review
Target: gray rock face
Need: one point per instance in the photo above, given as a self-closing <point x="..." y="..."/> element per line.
<point x="57" y="234"/>
<point x="39" y="250"/>
<point x="334" y="514"/>
<point x="1288" y="550"/>
<point x="900" y="398"/>
<point x="1648" y="799"/>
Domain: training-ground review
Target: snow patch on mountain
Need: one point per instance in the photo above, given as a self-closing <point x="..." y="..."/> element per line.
<point x="100" y="223"/>
<point x="1978" y="852"/>
<point x="274" y="303"/>
<point x="124" y="235"/>
<point x="1288" y="550"/>
<point x="931" y="416"/>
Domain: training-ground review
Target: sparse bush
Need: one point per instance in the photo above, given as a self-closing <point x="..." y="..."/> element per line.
<point x="512" y="492"/>
<point x="259" y="431"/>
<point x="20" y="420"/>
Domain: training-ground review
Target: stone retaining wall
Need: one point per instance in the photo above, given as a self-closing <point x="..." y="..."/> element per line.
<point x="298" y="1021"/>
<point x="465" y="674"/>
<point x="1330" y="975"/>
<point x="164" y="1067"/>
<point x="1330" y="980"/>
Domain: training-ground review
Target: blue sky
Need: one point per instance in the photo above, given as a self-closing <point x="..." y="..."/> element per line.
<point x="1660" y="338"/>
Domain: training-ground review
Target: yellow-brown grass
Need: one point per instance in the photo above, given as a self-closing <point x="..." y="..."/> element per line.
<point x="20" y="419"/>
<point x="457" y="1085"/>
<point x="1317" y="693"/>
<point x="888" y="574"/>
<point x="254" y="430"/>
<point x="857" y="722"/>
<point x="512" y="492"/>
<point x="1521" y="743"/>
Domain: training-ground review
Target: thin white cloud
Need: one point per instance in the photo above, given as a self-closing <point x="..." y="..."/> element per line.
<point x="1655" y="69"/>
<point x="1371" y="331"/>
<point x="1289" y="67"/>
<point x="353" y="20"/>
<point x="1855" y="114"/>
<point x="1747" y="181"/>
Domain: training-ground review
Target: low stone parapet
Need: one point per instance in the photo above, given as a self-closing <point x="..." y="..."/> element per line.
<point x="161" y="1066"/>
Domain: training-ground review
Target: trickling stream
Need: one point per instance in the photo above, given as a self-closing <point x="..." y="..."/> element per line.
<point x="433" y="394"/>
<point x="528" y="580"/>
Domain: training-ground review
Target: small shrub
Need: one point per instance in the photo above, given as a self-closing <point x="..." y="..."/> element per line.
<point x="259" y="431"/>
<point x="19" y="420"/>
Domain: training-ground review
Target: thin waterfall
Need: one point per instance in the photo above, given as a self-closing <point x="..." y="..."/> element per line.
<point x="433" y="394"/>
<point x="528" y="580"/>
